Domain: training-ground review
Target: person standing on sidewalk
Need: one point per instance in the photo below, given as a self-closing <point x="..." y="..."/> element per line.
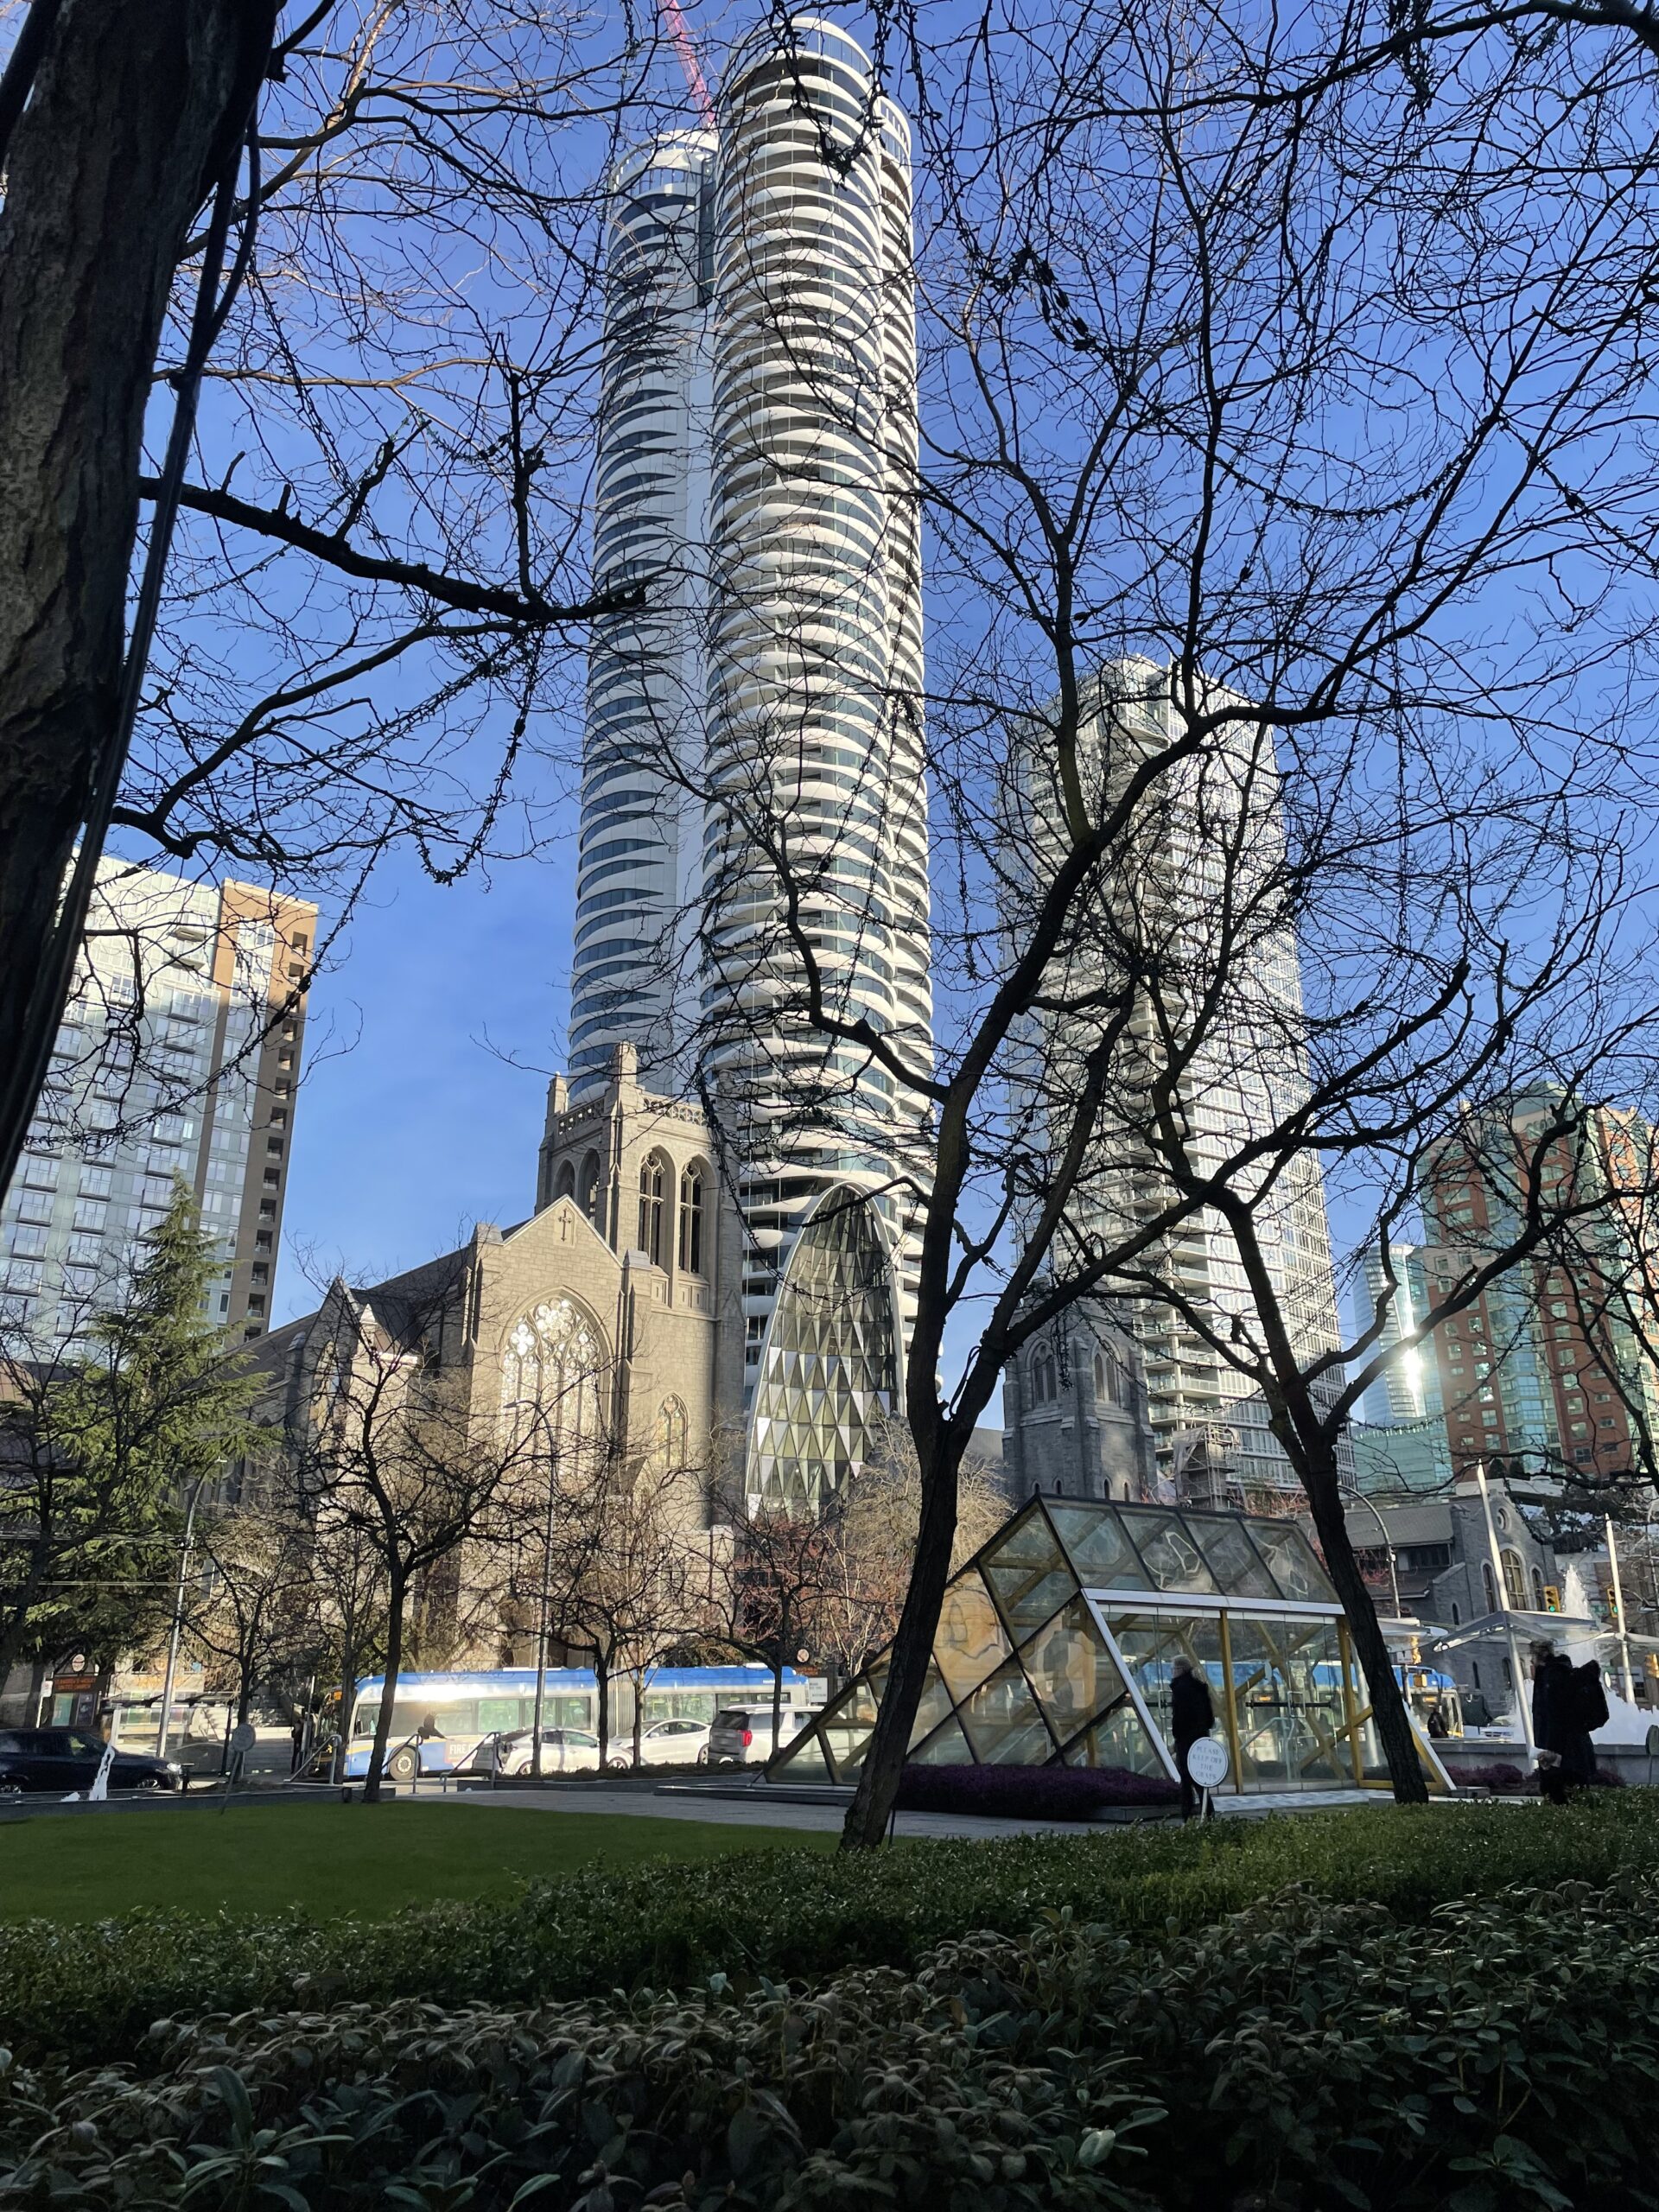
<point x="1191" y="1715"/>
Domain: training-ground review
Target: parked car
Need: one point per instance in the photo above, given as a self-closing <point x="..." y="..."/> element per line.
<point x="675" y="1743"/>
<point x="56" y="1761"/>
<point x="741" y="1736"/>
<point x="564" y="1751"/>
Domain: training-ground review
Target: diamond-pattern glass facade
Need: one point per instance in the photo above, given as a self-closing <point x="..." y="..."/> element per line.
<point x="1058" y="1643"/>
<point x="830" y="1372"/>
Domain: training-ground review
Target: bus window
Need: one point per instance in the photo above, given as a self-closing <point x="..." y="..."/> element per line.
<point x="500" y="1715"/>
<point x="679" y="1705"/>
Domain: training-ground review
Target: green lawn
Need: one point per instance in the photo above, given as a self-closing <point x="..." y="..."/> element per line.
<point x="326" y="1860"/>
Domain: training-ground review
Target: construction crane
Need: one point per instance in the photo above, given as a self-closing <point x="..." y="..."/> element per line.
<point x="680" y="31"/>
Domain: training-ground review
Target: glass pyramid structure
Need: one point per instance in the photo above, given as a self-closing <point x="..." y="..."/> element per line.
<point x="1058" y="1642"/>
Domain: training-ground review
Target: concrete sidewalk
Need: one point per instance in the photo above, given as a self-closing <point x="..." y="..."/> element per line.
<point x="758" y="1808"/>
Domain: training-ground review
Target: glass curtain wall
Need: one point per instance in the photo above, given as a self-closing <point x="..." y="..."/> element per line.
<point x="1059" y="1641"/>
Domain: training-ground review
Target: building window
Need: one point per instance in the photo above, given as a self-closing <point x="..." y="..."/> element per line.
<point x="673" y="1434"/>
<point x="1489" y="1587"/>
<point x="564" y="1183"/>
<point x="1044" y="1380"/>
<point x="589" y="1187"/>
<point x="691" y="1186"/>
<point x="1457" y="1613"/>
<point x="653" y="1180"/>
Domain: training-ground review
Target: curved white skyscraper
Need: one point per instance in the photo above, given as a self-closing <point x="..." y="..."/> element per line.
<point x="639" y="870"/>
<point x="756" y="459"/>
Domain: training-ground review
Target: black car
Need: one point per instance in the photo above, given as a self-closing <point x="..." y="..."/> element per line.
<point x="57" y="1761"/>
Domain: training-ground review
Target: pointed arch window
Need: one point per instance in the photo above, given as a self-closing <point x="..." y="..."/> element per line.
<point x="654" y="1189"/>
<point x="1045" y="1378"/>
<point x="564" y="1183"/>
<point x="673" y="1434"/>
<point x="589" y="1188"/>
<point x="691" y="1221"/>
<point x="552" y="1382"/>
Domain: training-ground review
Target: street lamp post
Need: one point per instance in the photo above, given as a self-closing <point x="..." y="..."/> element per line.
<point x="546" y="1608"/>
<point x="1619" y="1616"/>
<point x="178" y="1619"/>
<point x="1383" y="1530"/>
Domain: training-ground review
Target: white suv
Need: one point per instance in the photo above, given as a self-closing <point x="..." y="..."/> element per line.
<point x="741" y="1736"/>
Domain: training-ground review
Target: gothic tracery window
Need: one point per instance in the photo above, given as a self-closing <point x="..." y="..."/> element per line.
<point x="692" y="1226"/>
<point x="552" y="1381"/>
<point x="653" y="1186"/>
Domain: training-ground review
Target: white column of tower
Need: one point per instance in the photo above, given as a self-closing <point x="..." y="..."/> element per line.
<point x="816" y="816"/>
<point x="639" y="867"/>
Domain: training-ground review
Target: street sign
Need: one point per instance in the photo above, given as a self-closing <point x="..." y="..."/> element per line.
<point x="1206" y="1762"/>
<point x="244" y="1737"/>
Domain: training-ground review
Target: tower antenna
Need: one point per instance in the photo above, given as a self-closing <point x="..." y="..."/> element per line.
<point x="680" y="31"/>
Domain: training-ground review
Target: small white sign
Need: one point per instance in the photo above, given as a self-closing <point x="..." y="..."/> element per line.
<point x="1206" y="1762"/>
<point x="244" y="1737"/>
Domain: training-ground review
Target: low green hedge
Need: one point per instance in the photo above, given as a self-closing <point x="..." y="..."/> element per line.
<point x="1502" y="2053"/>
<point x="91" y="1990"/>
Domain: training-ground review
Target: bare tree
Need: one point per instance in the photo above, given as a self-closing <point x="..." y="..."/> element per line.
<point x="364" y="625"/>
<point x="1285" y="468"/>
<point x="624" y="1580"/>
<point x="389" y="1451"/>
<point x="857" y="1609"/>
<point x="775" y="1566"/>
<point x="258" y="1611"/>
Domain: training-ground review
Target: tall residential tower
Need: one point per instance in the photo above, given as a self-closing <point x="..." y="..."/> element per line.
<point x="1187" y="934"/>
<point x="754" y="803"/>
<point x="179" y="1055"/>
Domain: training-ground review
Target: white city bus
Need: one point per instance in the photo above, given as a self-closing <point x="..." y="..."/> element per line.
<point x="442" y="1719"/>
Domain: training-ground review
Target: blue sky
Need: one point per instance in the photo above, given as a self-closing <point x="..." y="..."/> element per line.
<point x="410" y="1125"/>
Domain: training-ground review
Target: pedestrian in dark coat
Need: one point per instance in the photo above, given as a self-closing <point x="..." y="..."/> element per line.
<point x="1560" y="1724"/>
<point x="1191" y="1715"/>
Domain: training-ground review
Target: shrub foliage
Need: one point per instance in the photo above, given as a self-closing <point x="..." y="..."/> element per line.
<point x="90" y="1992"/>
<point x="1502" y="2052"/>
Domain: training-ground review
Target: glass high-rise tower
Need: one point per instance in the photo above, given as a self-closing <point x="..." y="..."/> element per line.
<point x="1192" y="900"/>
<point x="754" y="807"/>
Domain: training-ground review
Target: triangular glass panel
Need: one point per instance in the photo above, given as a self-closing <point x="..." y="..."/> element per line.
<point x="1026" y="1542"/>
<point x="1234" y="1559"/>
<point x="1073" y="1673"/>
<point x="946" y="1746"/>
<point x="935" y="1703"/>
<point x="1172" y="1557"/>
<point x="847" y="1743"/>
<point x="1027" y="1596"/>
<point x="1295" y="1567"/>
<point x="1004" y="1723"/>
<point x="1099" y="1546"/>
<point x="801" y="1761"/>
<point x="971" y="1642"/>
<point x="1119" y="1739"/>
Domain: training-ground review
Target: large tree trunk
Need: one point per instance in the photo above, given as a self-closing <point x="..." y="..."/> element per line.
<point x="1370" y="1646"/>
<point x="347" y="1699"/>
<point x="867" y="1816"/>
<point x="135" y="111"/>
<point x="397" y="1599"/>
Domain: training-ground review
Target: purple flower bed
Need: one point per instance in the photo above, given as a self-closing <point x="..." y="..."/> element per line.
<point x="1506" y="1781"/>
<point x="1043" y="1793"/>
<point x="1503" y="1779"/>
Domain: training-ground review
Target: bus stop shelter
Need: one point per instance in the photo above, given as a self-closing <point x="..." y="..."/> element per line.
<point x="1057" y="1643"/>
